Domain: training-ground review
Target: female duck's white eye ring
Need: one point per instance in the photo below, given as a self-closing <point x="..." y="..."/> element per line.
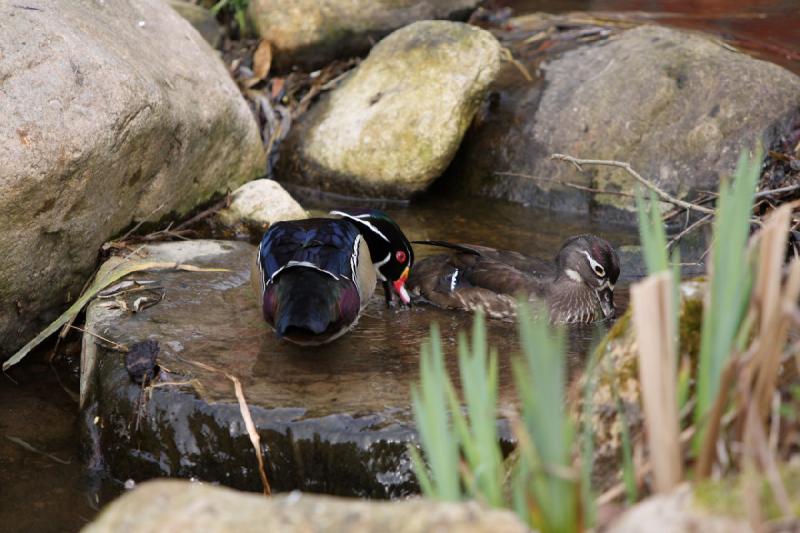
<point x="597" y="267"/>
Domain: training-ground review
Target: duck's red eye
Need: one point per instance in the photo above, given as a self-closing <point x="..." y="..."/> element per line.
<point x="401" y="256"/>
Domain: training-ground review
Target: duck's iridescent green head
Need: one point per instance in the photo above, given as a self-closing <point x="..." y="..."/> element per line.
<point x="389" y="248"/>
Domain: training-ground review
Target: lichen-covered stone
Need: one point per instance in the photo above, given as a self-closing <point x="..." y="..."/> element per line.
<point x="394" y="125"/>
<point x="676" y="512"/>
<point x="678" y="106"/>
<point x="111" y="112"/>
<point x="261" y="202"/>
<point x="184" y="506"/>
<point x="617" y="377"/>
<point x="311" y="33"/>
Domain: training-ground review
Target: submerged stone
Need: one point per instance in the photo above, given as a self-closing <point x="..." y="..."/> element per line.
<point x="182" y="506"/>
<point x="335" y="419"/>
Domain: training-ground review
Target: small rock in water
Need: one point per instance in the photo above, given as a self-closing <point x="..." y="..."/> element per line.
<point x="130" y="484"/>
<point x="261" y="202"/>
<point x="140" y="361"/>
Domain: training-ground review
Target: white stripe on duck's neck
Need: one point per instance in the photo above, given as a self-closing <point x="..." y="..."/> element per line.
<point x="573" y="275"/>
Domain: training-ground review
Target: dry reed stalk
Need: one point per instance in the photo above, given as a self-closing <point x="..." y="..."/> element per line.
<point x="653" y="319"/>
<point x="255" y="438"/>
<point x="244" y="409"/>
<point x="708" y="450"/>
<point x="773" y="303"/>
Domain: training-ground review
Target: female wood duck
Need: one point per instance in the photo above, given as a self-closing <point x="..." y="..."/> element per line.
<point x="577" y="287"/>
<point x="316" y="275"/>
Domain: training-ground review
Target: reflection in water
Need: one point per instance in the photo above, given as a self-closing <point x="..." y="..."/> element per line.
<point x="769" y="29"/>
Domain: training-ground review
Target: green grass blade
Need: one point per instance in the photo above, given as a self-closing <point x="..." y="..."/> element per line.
<point x="628" y="468"/>
<point x="731" y="278"/>
<point x="430" y="406"/>
<point x="479" y="382"/>
<point x="541" y="384"/>
<point x="652" y="234"/>
<point x="587" y="441"/>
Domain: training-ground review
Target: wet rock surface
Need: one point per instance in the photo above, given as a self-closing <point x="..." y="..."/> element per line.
<point x="678" y="106"/>
<point x="396" y="122"/>
<point x="311" y="33"/>
<point x="111" y="111"/>
<point x="182" y="506"/>
<point x="336" y="420"/>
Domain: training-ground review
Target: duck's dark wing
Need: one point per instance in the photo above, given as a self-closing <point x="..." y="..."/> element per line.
<point x="327" y="245"/>
<point x="535" y="267"/>
<point x="474" y="276"/>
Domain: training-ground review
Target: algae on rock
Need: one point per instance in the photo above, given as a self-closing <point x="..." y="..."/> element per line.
<point x="396" y="122"/>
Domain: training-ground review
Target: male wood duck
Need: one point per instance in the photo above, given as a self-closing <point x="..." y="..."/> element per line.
<point x="577" y="287"/>
<point x="315" y="276"/>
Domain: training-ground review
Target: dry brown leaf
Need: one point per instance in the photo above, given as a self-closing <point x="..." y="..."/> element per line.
<point x="262" y="59"/>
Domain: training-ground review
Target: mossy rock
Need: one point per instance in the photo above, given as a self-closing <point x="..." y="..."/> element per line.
<point x="396" y="122"/>
<point x="617" y="375"/>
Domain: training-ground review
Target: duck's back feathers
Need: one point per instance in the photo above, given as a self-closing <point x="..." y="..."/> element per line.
<point x="327" y="245"/>
<point x="316" y="275"/>
<point x="471" y="277"/>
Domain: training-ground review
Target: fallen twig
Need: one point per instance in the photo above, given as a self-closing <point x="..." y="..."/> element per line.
<point x="665" y="196"/>
<point x="225" y="202"/>
<point x="506" y="54"/>
<point x="115" y="345"/>
<point x="255" y="438"/>
<point x="20" y="442"/>
<point x="688" y="229"/>
<point x="567" y="184"/>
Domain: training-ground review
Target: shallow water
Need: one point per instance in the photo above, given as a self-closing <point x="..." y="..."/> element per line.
<point x="379" y="356"/>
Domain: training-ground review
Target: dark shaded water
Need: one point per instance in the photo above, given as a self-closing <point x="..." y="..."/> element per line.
<point x="39" y="493"/>
<point x="769" y="29"/>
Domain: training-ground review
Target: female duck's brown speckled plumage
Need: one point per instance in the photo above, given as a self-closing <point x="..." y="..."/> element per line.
<point x="577" y="287"/>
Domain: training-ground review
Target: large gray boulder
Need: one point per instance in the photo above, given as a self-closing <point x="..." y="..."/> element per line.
<point x="395" y="124"/>
<point x="111" y="112"/>
<point x="678" y="106"/>
<point x="311" y="33"/>
<point x="183" y="506"/>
